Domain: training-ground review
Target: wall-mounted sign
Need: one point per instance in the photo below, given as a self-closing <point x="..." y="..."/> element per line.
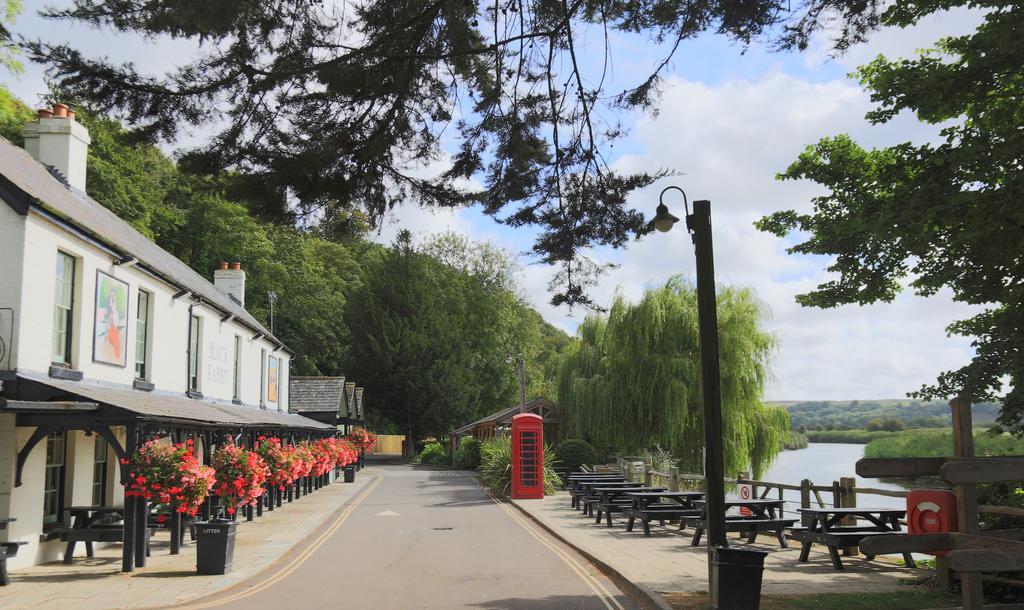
<point x="110" y="328"/>
<point x="272" y="379"/>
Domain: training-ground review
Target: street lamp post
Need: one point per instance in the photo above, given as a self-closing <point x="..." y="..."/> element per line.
<point x="520" y="361"/>
<point x="699" y="226"/>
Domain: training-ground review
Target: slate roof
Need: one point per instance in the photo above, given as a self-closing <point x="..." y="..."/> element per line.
<point x="319" y="394"/>
<point x="507" y="414"/>
<point x="47" y="192"/>
<point x="165" y="407"/>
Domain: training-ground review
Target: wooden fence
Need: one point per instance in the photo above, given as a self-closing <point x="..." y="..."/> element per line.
<point x="388" y="444"/>
<point x="842" y="493"/>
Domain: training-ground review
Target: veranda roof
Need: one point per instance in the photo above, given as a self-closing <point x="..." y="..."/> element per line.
<point x="177" y="409"/>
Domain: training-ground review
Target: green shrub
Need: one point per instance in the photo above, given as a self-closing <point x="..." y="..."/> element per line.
<point x="795" y="441"/>
<point x="434" y="454"/>
<point x="573" y="453"/>
<point x="496" y="467"/>
<point x="468" y="455"/>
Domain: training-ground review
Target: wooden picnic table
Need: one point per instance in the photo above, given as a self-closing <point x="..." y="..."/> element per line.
<point x="648" y="505"/>
<point x="825" y="528"/>
<point x="86" y="527"/>
<point x="766" y="516"/>
<point x="581" y="490"/>
<point x="7" y="549"/>
<point x="606" y="499"/>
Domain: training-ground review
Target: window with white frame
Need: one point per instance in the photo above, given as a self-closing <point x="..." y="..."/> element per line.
<point x="195" y="327"/>
<point x="142" y="335"/>
<point x="64" y="309"/>
<point x="53" y="480"/>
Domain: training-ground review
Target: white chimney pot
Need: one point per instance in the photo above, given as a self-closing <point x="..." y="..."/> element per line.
<point x="232" y="283"/>
<point x="61" y="142"/>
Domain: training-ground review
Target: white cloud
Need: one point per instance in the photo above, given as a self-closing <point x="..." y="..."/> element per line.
<point x="731" y="140"/>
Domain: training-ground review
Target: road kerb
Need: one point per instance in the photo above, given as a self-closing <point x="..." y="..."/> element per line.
<point x="648" y="597"/>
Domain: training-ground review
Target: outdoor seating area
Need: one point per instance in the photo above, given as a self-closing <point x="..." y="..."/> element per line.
<point x="611" y="494"/>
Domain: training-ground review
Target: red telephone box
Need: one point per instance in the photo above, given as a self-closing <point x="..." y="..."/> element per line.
<point x="527" y="456"/>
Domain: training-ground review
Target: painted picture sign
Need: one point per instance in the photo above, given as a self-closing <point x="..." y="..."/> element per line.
<point x="110" y="339"/>
<point x="272" y="379"/>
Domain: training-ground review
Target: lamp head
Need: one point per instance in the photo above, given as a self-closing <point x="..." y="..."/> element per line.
<point x="663" y="220"/>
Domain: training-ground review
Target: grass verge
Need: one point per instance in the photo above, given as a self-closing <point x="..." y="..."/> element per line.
<point x="913" y="598"/>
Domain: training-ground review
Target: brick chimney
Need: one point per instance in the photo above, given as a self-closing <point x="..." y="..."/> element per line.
<point x="230" y="279"/>
<point x="57" y="139"/>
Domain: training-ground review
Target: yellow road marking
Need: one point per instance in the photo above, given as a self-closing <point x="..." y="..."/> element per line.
<point x="595" y="585"/>
<point x="294" y="564"/>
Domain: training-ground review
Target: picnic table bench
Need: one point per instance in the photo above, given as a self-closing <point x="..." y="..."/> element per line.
<point x="583" y="491"/>
<point x="763" y="519"/>
<point x="825" y="528"/>
<point x="94" y="524"/>
<point x="647" y="505"/>
<point x="7" y="549"/>
<point x="589" y="494"/>
<point x="612" y="499"/>
<point x="574" y="484"/>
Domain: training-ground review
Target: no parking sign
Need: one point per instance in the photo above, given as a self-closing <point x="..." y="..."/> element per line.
<point x="746" y="492"/>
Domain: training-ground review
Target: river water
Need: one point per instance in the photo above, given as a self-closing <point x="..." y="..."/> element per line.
<point x="823" y="463"/>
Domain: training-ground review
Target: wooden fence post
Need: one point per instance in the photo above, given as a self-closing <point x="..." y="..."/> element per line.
<point x="647" y="475"/>
<point x="967" y="499"/>
<point x="848" y="499"/>
<point x="673" y="478"/>
<point x="805" y="501"/>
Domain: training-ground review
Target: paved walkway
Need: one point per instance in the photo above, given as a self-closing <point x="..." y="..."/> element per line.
<point x="666" y="562"/>
<point x="423" y="538"/>
<point x="401" y="538"/>
<point x="168" y="580"/>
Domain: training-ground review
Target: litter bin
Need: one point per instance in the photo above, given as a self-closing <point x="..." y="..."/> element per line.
<point x="215" y="546"/>
<point x="736" y="578"/>
<point x="350" y="473"/>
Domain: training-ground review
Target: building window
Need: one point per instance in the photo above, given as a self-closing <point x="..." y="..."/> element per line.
<point x="64" y="309"/>
<point x="99" y="472"/>
<point x="141" y="335"/>
<point x="53" y="485"/>
<point x="263" y="377"/>
<point x="237" y="392"/>
<point x="193" y="354"/>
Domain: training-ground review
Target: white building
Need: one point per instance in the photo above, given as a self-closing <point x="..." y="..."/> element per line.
<point x="106" y="338"/>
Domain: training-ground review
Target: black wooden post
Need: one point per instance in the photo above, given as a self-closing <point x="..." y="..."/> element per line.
<point x="141" y="531"/>
<point x="175" y="531"/>
<point x="699" y="223"/>
<point x="131" y="441"/>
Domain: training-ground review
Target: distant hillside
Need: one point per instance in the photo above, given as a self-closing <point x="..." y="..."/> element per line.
<point x="855" y="414"/>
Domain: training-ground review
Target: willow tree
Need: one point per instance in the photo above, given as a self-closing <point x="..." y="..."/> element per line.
<point x="632" y="380"/>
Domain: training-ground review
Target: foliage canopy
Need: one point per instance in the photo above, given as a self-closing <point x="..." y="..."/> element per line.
<point x="934" y="216"/>
<point x="333" y="109"/>
<point x="633" y="379"/>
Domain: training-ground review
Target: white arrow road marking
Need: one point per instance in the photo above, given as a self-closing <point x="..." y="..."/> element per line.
<point x="387" y="513"/>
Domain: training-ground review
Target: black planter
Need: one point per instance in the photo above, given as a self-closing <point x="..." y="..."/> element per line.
<point x="215" y="547"/>
<point x="736" y="578"/>
<point x="350" y="474"/>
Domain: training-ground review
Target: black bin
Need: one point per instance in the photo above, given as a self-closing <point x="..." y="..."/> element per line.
<point x="350" y="473"/>
<point x="736" y="578"/>
<point x="215" y="546"/>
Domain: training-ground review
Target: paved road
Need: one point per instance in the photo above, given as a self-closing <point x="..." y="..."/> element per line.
<point x="418" y="538"/>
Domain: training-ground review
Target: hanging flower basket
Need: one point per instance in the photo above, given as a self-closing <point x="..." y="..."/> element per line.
<point x="169" y="474"/>
<point x="241" y="476"/>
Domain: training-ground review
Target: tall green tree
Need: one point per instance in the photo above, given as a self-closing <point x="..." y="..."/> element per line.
<point x="934" y="216"/>
<point x="633" y="379"/>
<point x="333" y="109"/>
<point x="431" y="328"/>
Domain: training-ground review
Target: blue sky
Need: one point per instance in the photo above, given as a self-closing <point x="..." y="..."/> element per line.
<point x="728" y="121"/>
